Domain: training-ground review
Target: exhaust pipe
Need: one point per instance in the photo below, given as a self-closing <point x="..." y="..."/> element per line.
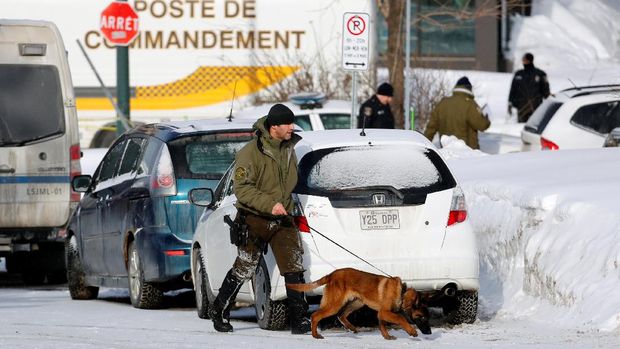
<point x="187" y="276"/>
<point x="449" y="290"/>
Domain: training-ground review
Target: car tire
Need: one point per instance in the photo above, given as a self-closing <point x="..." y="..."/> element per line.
<point x="270" y="315"/>
<point x="143" y="295"/>
<point x="467" y="308"/>
<point x="202" y="287"/>
<point x="76" y="279"/>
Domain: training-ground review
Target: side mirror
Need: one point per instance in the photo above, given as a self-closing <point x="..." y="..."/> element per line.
<point x="613" y="138"/>
<point x="201" y="197"/>
<point x="81" y="183"/>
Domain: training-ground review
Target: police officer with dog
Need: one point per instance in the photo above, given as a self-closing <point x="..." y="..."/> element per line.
<point x="265" y="175"/>
<point x="376" y="111"/>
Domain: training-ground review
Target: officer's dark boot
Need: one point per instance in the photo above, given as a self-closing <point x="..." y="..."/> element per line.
<point x="297" y="305"/>
<point x="219" y="312"/>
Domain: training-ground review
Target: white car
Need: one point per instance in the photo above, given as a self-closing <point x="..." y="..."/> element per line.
<point x="387" y="197"/>
<point x="310" y="114"/>
<point x="579" y="117"/>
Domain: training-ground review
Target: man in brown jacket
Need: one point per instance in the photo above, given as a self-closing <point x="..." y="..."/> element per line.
<point x="458" y="115"/>
<point x="265" y="175"/>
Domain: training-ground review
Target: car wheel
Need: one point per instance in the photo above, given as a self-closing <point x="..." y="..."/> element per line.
<point x="143" y="295"/>
<point x="270" y="314"/>
<point x="467" y="308"/>
<point x="201" y="286"/>
<point x="75" y="273"/>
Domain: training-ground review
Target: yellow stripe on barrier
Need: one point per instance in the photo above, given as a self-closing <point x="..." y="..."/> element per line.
<point x="205" y="86"/>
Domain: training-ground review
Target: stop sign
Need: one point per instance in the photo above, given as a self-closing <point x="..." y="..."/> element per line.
<point x="119" y="23"/>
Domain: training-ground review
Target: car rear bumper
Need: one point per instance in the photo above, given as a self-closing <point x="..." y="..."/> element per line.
<point x="158" y="265"/>
<point x="423" y="275"/>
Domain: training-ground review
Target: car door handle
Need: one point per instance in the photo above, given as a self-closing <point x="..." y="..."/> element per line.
<point x="6" y="169"/>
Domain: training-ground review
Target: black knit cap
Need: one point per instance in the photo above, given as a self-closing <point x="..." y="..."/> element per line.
<point x="385" y="89"/>
<point x="529" y="57"/>
<point x="464" y="81"/>
<point x="279" y="114"/>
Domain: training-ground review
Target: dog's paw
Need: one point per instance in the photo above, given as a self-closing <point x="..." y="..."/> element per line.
<point x="318" y="336"/>
<point x="389" y="337"/>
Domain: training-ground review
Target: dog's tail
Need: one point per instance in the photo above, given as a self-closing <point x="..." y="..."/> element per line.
<point x="309" y="286"/>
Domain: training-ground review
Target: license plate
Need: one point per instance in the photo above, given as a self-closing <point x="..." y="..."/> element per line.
<point x="379" y="219"/>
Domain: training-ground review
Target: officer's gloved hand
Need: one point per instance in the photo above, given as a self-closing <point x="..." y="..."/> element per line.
<point x="509" y="108"/>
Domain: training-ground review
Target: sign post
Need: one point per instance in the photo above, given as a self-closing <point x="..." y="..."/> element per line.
<point x="355" y="50"/>
<point x="119" y="24"/>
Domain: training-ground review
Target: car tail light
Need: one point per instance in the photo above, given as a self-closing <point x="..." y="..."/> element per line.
<point x="458" y="208"/>
<point x="75" y="169"/>
<point x="546" y="144"/>
<point x="163" y="181"/>
<point x="298" y="215"/>
<point x="302" y="224"/>
<point x="174" y="253"/>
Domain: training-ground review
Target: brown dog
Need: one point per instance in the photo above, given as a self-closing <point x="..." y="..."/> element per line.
<point x="349" y="289"/>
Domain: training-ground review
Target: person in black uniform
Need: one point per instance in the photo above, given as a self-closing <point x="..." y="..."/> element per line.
<point x="376" y="111"/>
<point x="529" y="87"/>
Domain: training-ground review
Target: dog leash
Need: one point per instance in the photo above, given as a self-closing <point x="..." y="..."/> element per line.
<point x="344" y="248"/>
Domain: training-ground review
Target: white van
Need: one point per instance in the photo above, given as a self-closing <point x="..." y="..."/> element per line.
<point x="39" y="148"/>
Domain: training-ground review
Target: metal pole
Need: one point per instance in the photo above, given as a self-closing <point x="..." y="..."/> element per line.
<point x="122" y="85"/>
<point x="407" y="106"/>
<point x="354" y="100"/>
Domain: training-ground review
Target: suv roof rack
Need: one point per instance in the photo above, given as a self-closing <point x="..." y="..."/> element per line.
<point x="593" y="89"/>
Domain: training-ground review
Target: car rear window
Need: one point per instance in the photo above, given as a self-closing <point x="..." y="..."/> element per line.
<point x="599" y="117"/>
<point x="406" y="168"/>
<point x="541" y="116"/>
<point x="31" y="103"/>
<point x="206" y="156"/>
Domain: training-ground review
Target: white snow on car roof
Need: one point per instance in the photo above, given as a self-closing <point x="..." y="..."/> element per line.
<point x="210" y="125"/>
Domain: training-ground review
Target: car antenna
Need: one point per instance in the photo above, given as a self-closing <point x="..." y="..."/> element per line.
<point x="232" y="102"/>
<point x="575" y="86"/>
<point x="363" y="134"/>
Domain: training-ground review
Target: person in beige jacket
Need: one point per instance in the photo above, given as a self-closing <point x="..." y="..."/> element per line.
<point x="458" y="115"/>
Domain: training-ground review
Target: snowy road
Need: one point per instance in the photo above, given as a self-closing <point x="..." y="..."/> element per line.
<point x="48" y="318"/>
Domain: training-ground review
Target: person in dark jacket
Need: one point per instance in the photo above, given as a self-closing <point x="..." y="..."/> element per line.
<point x="458" y="115"/>
<point x="529" y="87"/>
<point x="376" y="111"/>
<point x="265" y="175"/>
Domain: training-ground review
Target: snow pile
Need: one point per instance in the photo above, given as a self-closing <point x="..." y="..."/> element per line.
<point x="548" y="233"/>
<point x="570" y="39"/>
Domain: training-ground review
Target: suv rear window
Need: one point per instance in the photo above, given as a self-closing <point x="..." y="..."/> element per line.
<point x="31" y="103"/>
<point x="206" y="156"/>
<point x="600" y="117"/>
<point x="539" y="120"/>
<point x="408" y="169"/>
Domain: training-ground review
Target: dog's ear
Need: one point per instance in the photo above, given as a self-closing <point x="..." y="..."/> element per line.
<point x="410" y="299"/>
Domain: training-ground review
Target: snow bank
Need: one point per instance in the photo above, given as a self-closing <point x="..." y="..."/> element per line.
<point x="548" y="233"/>
<point x="571" y="40"/>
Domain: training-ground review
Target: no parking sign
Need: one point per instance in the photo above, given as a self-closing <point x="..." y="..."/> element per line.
<point x="355" y="41"/>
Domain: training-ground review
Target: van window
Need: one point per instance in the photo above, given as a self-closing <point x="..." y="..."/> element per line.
<point x="599" y="117"/>
<point x="31" y="103"/>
